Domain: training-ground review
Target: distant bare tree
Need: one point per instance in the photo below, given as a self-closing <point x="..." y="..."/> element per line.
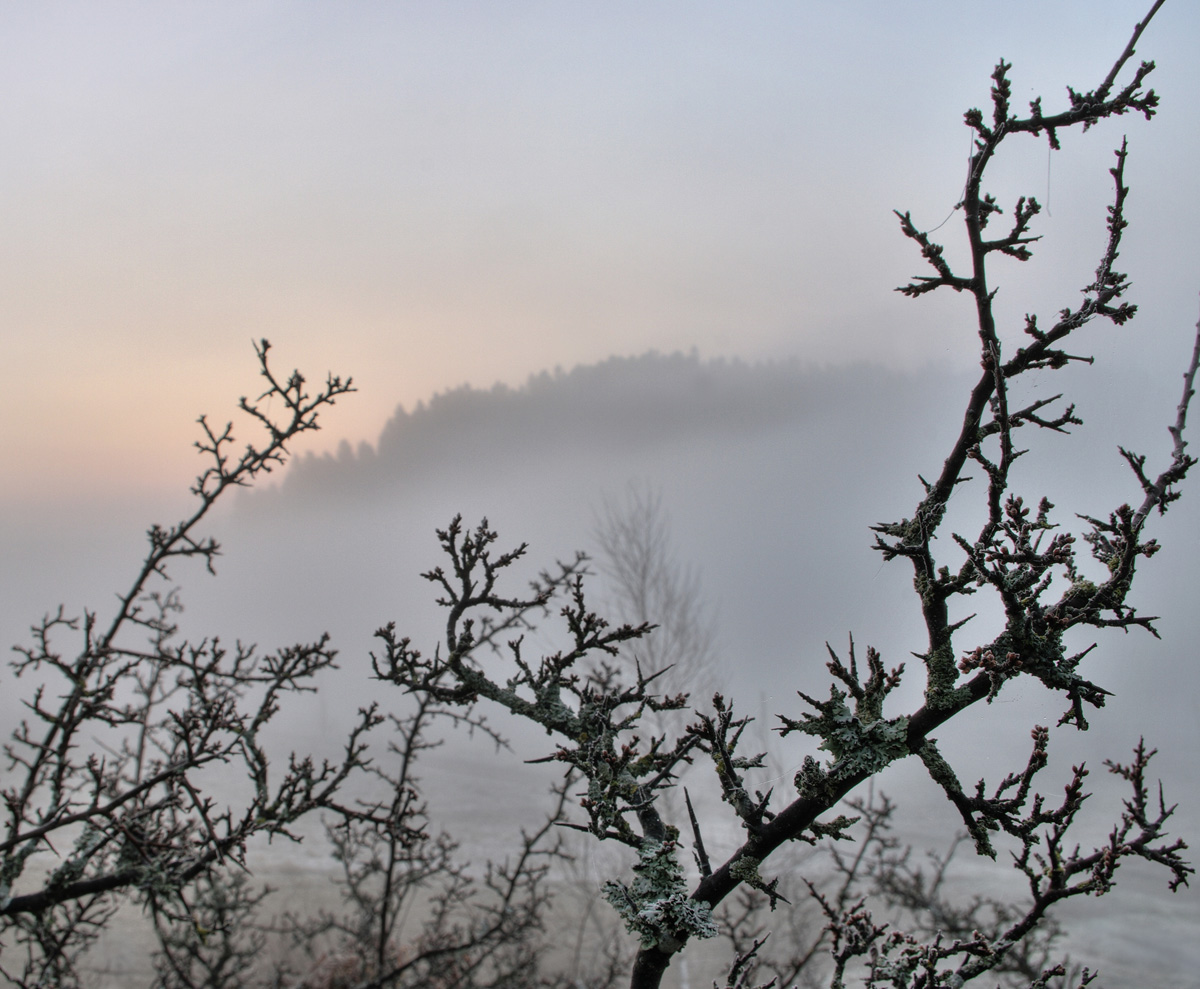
<point x="648" y="584"/>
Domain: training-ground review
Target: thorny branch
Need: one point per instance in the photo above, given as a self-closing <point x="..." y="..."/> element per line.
<point x="106" y="775"/>
<point x="1021" y="556"/>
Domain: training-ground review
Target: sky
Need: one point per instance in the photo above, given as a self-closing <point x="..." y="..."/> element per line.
<point x="428" y="195"/>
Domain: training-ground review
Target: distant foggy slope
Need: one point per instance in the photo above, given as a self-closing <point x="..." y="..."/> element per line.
<point x="614" y="411"/>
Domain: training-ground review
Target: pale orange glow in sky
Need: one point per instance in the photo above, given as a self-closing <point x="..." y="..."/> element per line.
<point x="425" y="195"/>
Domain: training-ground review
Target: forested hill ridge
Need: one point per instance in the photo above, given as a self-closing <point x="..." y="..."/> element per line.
<point x="621" y="406"/>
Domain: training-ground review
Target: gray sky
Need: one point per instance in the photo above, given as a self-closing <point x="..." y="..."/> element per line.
<point x="424" y="195"/>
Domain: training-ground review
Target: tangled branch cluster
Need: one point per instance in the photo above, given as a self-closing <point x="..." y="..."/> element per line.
<point x="1021" y="556"/>
<point x="107" y="772"/>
